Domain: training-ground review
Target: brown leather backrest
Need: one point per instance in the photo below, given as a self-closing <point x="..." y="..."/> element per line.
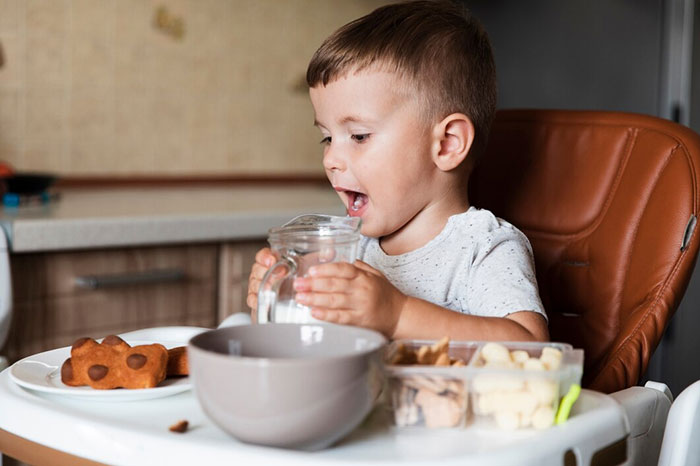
<point x="605" y="199"/>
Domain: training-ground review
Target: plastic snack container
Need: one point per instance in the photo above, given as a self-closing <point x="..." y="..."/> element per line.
<point x="508" y="385"/>
<point x="526" y="392"/>
<point x="428" y="395"/>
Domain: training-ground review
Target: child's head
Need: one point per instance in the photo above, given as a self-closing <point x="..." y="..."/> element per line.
<point x="441" y="53"/>
<point x="402" y="96"/>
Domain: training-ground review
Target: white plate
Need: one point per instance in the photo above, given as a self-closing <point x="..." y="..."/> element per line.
<point x="42" y="373"/>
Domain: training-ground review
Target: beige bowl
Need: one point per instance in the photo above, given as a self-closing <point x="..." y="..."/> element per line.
<point x="301" y="386"/>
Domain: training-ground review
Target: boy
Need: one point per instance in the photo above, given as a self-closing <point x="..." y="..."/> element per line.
<point x="404" y="98"/>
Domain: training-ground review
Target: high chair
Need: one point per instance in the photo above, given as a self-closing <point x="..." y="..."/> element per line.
<point x="680" y="443"/>
<point x="609" y="202"/>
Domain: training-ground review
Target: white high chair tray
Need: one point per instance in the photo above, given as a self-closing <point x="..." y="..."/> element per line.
<point x="136" y="433"/>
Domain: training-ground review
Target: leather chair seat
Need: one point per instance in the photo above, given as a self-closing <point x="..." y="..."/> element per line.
<point x="609" y="202"/>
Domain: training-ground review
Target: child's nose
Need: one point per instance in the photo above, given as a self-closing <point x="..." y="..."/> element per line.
<point x="333" y="159"/>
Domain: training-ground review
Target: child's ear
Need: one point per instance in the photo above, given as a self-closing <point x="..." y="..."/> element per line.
<point x="453" y="138"/>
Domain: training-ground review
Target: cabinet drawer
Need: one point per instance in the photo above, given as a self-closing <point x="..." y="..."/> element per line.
<point x="238" y="258"/>
<point x="235" y="262"/>
<point x="32" y="328"/>
<point x="50" y="310"/>
<point x="42" y="324"/>
<point x="61" y="273"/>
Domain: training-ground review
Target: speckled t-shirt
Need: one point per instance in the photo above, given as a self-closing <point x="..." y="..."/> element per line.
<point x="479" y="264"/>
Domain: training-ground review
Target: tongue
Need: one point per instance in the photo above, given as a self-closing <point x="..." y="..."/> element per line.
<point x="359" y="201"/>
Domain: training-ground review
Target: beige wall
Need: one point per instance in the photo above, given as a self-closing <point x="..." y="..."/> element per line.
<point x="93" y="87"/>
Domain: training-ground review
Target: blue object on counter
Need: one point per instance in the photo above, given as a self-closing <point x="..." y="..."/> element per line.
<point x="10" y="199"/>
<point x="17" y="199"/>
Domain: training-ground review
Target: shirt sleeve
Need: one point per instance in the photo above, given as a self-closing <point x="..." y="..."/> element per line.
<point x="502" y="277"/>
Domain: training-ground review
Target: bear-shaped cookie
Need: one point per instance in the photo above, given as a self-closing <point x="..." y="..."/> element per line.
<point x="114" y="364"/>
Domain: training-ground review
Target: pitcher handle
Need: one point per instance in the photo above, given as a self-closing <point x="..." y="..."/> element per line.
<point x="267" y="293"/>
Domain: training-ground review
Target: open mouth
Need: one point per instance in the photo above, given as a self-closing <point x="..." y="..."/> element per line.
<point x="356" y="201"/>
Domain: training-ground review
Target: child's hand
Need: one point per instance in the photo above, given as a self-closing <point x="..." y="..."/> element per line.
<point x="351" y="294"/>
<point x="264" y="259"/>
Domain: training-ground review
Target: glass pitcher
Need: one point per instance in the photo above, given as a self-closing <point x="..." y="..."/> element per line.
<point x="302" y="242"/>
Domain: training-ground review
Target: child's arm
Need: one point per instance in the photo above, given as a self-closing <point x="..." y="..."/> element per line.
<point x="431" y="321"/>
<point x="357" y="294"/>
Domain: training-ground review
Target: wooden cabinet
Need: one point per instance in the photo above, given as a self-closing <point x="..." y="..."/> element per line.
<point x="235" y="261"/>
<point x="61" y="296"/>
<point x="53" y="302"/>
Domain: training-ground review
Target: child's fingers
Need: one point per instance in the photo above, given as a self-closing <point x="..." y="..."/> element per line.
<point x="258" y="271"/>
<point x="324" y="300"/>
<point x="256" y="275"/>
<point x="329" y="285"/>
<point x="253" y="285"/>
<point x="265" y="257"/>
<point x="336" y="316"/>
<point x="333" y="269"/>
<point x="326" y="254"/>
<point x="325" y="285"/>
<point x="252" y="300"/>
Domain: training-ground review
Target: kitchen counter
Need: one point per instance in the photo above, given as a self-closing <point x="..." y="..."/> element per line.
<point x="92" y="218"/>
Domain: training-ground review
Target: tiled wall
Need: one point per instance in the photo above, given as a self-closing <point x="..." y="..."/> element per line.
<point x="93" y="87"/>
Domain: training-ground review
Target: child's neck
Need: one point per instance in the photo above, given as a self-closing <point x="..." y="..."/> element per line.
<point x="422" y="228"/>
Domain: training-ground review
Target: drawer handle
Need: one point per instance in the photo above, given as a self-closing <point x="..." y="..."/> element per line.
<point x="94" y="282"/>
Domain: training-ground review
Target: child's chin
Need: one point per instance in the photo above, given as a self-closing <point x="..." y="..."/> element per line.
<point x="367" y="230"/>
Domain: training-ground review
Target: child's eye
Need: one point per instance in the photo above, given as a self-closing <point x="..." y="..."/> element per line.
<point x="360" y="137"/>
<point x="326" y="140"/>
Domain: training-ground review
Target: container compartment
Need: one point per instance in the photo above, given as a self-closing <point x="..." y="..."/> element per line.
<point x="516" y="385"/>
<point x="427" y="388"/>
<point x="508" y="385"/>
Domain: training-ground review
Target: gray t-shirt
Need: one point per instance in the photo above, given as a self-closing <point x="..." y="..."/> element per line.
<point x="479" y="264"/>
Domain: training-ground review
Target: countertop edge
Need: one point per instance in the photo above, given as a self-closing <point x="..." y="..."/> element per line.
<point x="39" y="235"/>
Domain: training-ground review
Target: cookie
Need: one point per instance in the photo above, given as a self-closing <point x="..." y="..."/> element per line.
<point x="177" y="362"/>
<point x="114" y="364"/>
<point x="179" y="427"/>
